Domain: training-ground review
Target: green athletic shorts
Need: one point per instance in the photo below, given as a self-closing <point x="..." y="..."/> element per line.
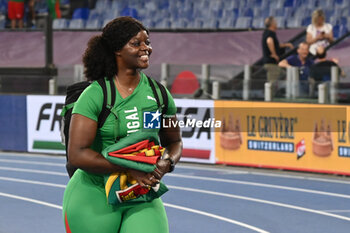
<point x="85" y="210"/>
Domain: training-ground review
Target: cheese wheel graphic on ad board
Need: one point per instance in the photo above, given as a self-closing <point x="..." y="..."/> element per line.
<point x="230" y="135"/>
<point x="322" y="142"/>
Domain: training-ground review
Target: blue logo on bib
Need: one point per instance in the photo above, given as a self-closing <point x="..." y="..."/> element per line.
<point x="151" y="120"/>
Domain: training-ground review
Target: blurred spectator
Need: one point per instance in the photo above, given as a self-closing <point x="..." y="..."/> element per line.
<point x="318" y="33"/>
<point x="31" y="15"/>
<point x="321" y="71"/>
<point x="16" y="13"/>
<point x="54" y="8"/>
<point x="272" y="49"/>
<point x="299" y="60"/>
<point x="302" y="61"/>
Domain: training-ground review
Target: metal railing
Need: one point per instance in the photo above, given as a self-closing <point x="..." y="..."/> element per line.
<point x="46" y="75"/>
<point x="218" y="82"/>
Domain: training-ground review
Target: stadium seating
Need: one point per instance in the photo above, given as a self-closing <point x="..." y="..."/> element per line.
<point x="225" y="14"/>
<point x="258" y="22"/>
<point x="93" y="24"/>
<point x="162" y="24"/>
<point x="224" y="23"/>
<point x="81" y="13"/>
<point x="76" y="24"/>
<point x="243" y="22"/>
<point x="60" y="23"/>
<point x="3" y="7"/>
<point x="281" y="22"/>
<point x="207" y="14"/>
<point x="105" y="21"/>
<point x="41" y="7"/>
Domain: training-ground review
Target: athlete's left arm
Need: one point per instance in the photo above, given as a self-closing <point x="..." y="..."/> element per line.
<point x="170" y="138"/>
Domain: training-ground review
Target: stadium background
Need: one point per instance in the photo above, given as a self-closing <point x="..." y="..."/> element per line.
<point x="196" y="44"/>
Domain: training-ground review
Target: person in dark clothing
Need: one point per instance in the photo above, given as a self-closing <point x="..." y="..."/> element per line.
<point x="30" y="4"/>
<point x="300" y="60"/>
<point x="303" y="62"/>
<point x="272" y="49"/>
<point x="321" y="71"/>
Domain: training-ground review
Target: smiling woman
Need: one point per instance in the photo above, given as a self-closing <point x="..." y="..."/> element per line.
<point x="117" y="55"/>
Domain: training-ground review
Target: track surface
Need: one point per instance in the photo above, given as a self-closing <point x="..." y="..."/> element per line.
<point x="202" y="198"/>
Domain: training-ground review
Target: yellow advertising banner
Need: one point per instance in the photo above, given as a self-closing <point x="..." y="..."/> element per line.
<point x="304" y="137"/>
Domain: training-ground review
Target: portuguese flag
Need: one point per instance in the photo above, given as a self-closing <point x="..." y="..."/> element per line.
<point x="139" y="151"/>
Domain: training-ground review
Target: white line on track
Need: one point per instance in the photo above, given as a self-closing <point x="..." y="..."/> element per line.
<point x="222" y="170"/>
<point x="30" y="200"/>
<point x="215" y="216"/>
<point x="260" y="185"/>
<point x="227" y="171"/>
<point x="261" y="201"/>
<point x="301" y="177"/>
<point x="200" y="178"/>
<point x="165" y="204"/>
<point x="210" y="193"/>
<point x="32" y="182"/>
<point x="294" y="176"/>
<point x="29" y="155"/>
<point x="33" y="171"/>
<point x="337" y="211"/>
<point x="32" y="162"/>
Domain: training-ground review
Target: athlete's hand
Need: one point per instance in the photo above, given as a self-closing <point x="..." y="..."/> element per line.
<point x="143" y="178"/>
<point x="163" y="166"/>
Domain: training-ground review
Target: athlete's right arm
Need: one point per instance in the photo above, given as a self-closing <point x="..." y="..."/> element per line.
<point x="82" y="133"/>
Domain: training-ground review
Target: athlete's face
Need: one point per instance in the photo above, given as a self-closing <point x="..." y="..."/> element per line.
<point x="135" y="54"/>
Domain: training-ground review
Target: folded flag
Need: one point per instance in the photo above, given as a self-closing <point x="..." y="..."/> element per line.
<point x="139" y="151"/>
<point x="145" y="151"/>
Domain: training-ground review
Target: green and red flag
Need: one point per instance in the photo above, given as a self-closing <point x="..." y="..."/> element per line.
<point x="54" y="8"/>
<point x="139" y="151"/>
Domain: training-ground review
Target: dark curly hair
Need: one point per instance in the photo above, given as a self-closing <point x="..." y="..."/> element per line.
<point x="99" y="57"/>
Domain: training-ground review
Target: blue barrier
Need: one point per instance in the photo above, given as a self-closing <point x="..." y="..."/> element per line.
<point x="13" y="123"/>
